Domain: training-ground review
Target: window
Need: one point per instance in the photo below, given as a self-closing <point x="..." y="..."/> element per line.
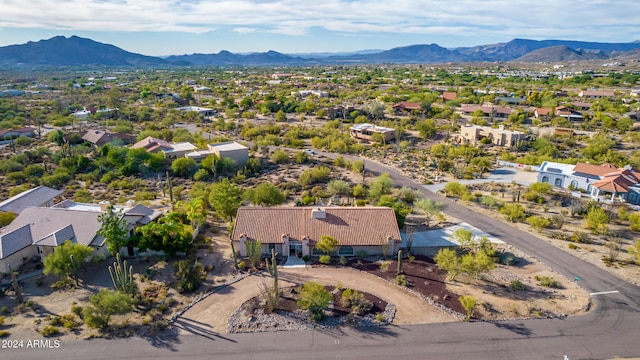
<point x="574" y="185"/>
<point x="545" y="179"/>
<point x="633" y="197"/>
<point x="558" y="182"/>
<point x="316" y="252"/>
<point x="272" y="247"/>
<point x="345" y="251"/>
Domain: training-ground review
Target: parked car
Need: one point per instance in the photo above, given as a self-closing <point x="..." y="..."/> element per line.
<point x="309" y="151"/>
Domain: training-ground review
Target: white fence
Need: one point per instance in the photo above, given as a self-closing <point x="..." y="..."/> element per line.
<point x="519" y="166"/>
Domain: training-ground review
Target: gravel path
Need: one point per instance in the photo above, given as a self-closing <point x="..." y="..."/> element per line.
<point x="210" y="316"/>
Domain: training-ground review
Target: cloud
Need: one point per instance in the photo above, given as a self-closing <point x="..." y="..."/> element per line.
<point x="580" y="19"/>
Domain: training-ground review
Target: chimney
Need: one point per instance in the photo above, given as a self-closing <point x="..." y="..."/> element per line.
<point x="104" y="205"/>
<point x="318" y="213"/>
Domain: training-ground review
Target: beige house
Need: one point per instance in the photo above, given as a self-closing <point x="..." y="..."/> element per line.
<point x="366" y="131"/>
<point x="500" y="136"/>
<point x="294" y="231"/>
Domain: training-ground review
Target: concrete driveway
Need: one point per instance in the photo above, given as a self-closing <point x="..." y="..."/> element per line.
<point x="500" y="175"/>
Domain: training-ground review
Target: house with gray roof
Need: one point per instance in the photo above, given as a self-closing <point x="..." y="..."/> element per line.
<point x="38" y="230"/>
<point x="38" y="196"/>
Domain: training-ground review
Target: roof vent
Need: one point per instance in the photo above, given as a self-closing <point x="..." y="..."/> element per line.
<point x="104" y="205"/>
<point x="318" y="213"/>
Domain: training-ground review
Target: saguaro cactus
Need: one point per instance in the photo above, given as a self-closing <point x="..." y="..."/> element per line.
<point x="16" y="285"/>
<point x="121" y="278"/>
<point x="272" y="267"/>
<point x="399" y="262"/>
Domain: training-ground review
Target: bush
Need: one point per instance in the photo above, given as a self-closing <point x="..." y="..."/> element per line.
<point x="325" y="259"/>
<point x="49" y="330"/>
<point x="381" y="318"/>
<point x="315" y="298"/>
<point x="4" y="333"/>
<point x="547" y="281"/>
<point x="189" y="274"/>
<point x="538" y="223"/>
<point x="77" y="309"/>
<point x="573" y="246"/>
<point x="518" y="285"/>
<point x="402" y="280"/>
<point x="356" y="301"/>
<point x="1" y="320"/>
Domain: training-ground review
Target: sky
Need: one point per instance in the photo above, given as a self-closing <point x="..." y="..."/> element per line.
<point x="175" y="27"/>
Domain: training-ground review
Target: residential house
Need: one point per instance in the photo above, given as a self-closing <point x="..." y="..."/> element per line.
<point x="339" y="112"/>
<point x="305" y="93"/>
<point x="99" y="138"/>
<point x="39" y="196"/>
<point x="542" y="113"/>
<point x="500" y="136"/>
<point x="509" y="100"/>
<point x="581" y="105"/>
<point x="596" y="94"/>
<point x="488" y="111"/>
<point x="567" y="113"/>
<point x="38" y="230"/>
<point x="8" y="135"/>
<point x="404" y="107"/>
<point x="294" y="231"/>
<point x="602" y="182"/>
<point x="203" y="112"/>
<point x="171" y="151"/>
<point x="556" y="174"/>
<point x="449" y="96"/>
<point x="231" y="150"/>
<point x="367" y="131"/>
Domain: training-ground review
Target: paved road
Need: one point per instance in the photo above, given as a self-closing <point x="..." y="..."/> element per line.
<point x="610" y="330"/>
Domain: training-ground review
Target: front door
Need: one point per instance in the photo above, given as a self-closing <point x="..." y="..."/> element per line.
<point x="295" y="248"/>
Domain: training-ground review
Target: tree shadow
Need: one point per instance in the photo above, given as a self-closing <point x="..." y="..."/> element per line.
<point x="519" y="329"/>
<point x="198" y="328"/>
<point x="363" y="331"/>
<point x="167" y="339"/>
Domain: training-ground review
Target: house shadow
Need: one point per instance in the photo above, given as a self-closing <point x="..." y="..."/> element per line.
<point x="198" y="328"/>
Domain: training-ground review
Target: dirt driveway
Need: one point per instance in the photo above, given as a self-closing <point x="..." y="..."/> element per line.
<point x="210" y="315"/>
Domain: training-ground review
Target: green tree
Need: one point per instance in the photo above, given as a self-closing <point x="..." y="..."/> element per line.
<point x="196" y="212"/>
<point x="6" y="218"/>
<point x="103" y="305"/>
<point x="265" y="194"/>
<point x="168" y="234"/>
<point x="596" y="220"/>
<point x="359" y="191"/>
<point x="113" y="230"/>
<point x="512" y="212"/>
<point x="279" y="156"/>
<point x="280" y="116"/>
<point x="184" y="167"/>
<point x="66" y="258"/>
<point x="254" y="252"/>
<point x="315" y="298"/>
<point x="226" y="198"/>
<point x="635" y="252"/>
<point x="448" y="260"/>
<point x="489" y="201"/>
<point x="464" y="237"/>
<point x="481" y="163"/>
<point x="327" y="244"/>
<point x="382" y="185"/>
<point x="428" y="208"/>
<point x="339" y="187"/>
<point x="427" y="128"/>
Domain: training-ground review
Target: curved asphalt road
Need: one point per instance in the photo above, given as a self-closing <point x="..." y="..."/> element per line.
<point x="611" y="329"/>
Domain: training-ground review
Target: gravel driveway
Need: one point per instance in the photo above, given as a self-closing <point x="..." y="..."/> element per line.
<point x="210" y="316"/>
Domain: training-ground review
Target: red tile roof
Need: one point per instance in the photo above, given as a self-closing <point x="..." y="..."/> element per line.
<point x="449" y="95"/>
<point x="349" y="225"/>
<point x="591" y="169"/>
<point x="405" y="105"/>
<point x="618" y="181"/>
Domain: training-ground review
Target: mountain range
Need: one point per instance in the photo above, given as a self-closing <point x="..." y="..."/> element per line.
<point x="77" y="51"/>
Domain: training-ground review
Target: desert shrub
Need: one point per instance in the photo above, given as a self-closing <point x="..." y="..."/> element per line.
<point x="4" y="310"/>
<point x="538" y="223"/>
<point x="579" y="237"/>
<point x="507" y="258"/>
<point x="547" y="281"/>
<point x="49" y="330"/>
<point x="325" y="259"/>
<point x="315" y="175"/>
<point x="4" y="333"/>
<point x="362" y="254"/>
<point x="343" y="260"/>
<point x="190" y="275"/>
<point x="314" y="298"/>
<point x="402" y="280"/>
<point x="468" y="302"/>
<point x="384" y="266"/>
<point x="356" y="301"/>
<point x="380" y="317"/>
<point x="513" y="212"/>
<point x="573" y="246"/>
<point x="1" y="320"/>
<point x="77" y="309"/>
<point x="634" y="221"/>
<point x="55" y="321"/>
<point x="518" y="285"/>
